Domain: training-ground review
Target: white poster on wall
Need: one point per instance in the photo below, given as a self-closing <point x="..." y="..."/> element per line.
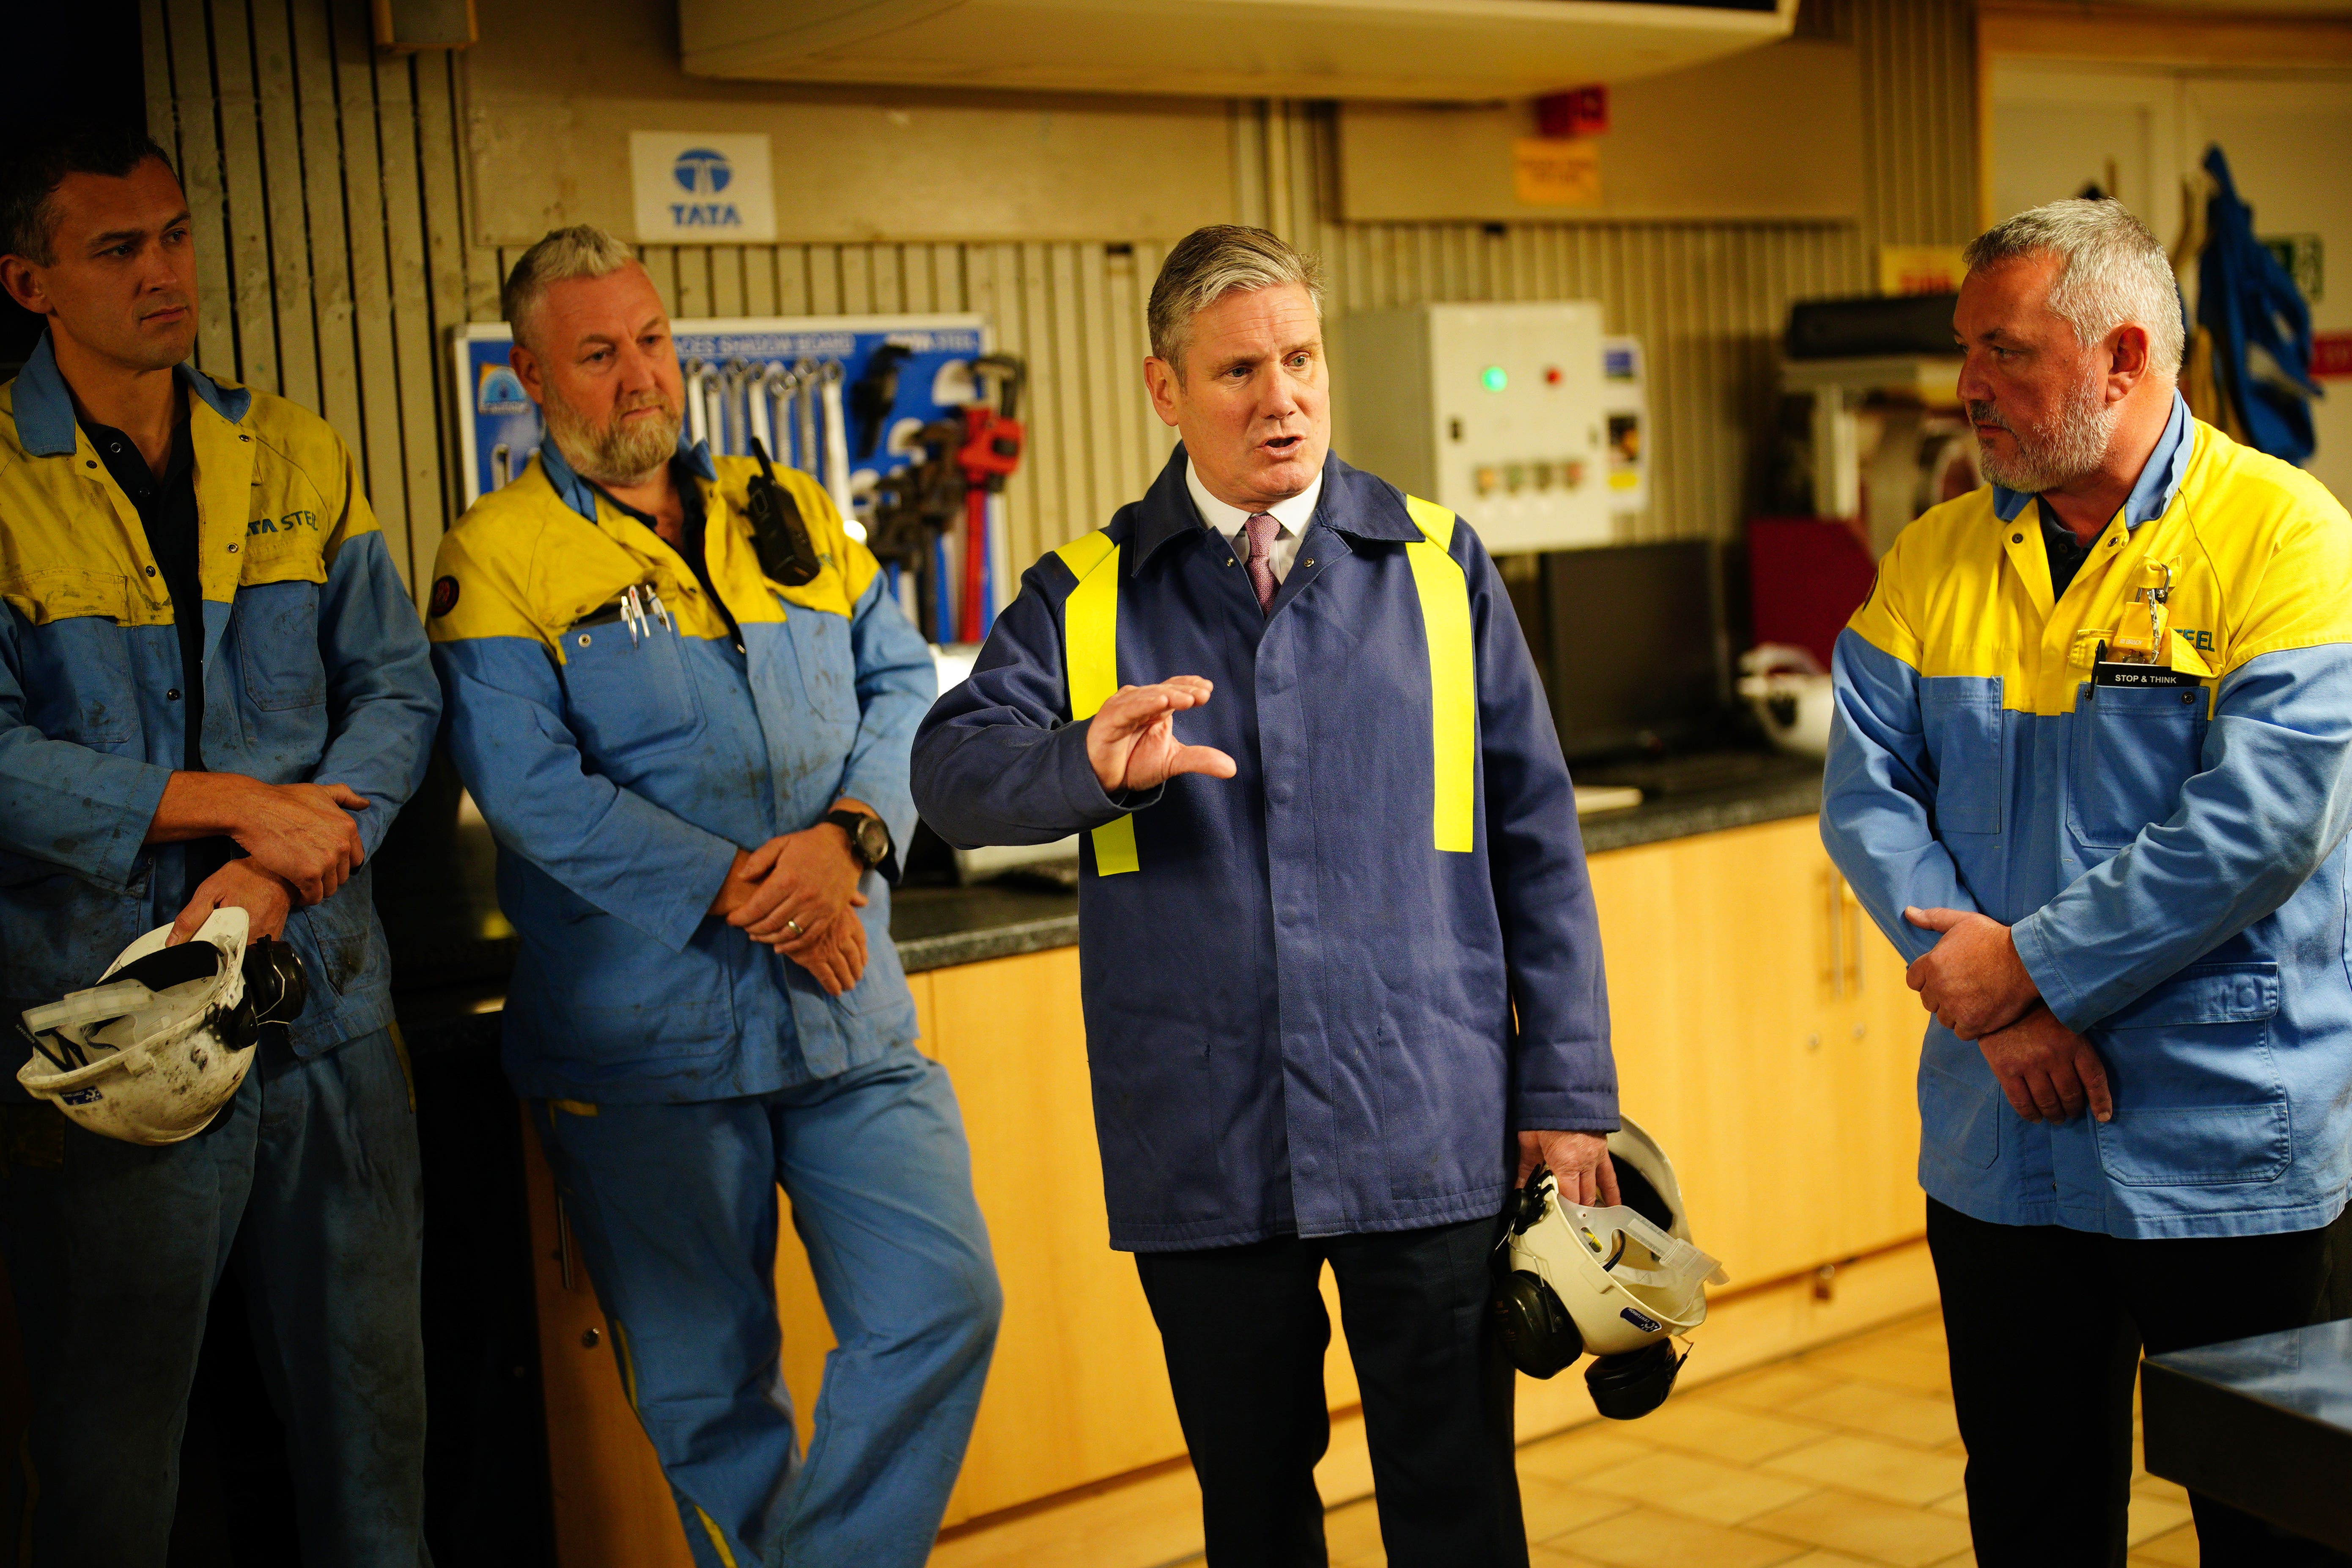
<point x="700" y="187"/>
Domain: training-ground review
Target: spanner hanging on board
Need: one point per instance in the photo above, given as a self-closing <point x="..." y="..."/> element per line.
<point x="836" y="439"/>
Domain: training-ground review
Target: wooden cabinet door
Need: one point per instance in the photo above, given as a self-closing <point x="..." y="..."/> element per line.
<point x="1871" y="1033"/>
<point x="1765" y="1037"/>
<point x="1714" y="961"/>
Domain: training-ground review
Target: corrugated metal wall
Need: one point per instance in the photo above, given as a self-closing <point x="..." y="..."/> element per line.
<point x="328" y="186"/>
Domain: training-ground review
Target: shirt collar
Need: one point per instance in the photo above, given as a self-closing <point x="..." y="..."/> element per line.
<point x="1359" y="506"/>
<point x="581" y="496"/>
<point x="1293" y="514"/>
<point x="2159" y="477"/>
<point x="45" y="413"/>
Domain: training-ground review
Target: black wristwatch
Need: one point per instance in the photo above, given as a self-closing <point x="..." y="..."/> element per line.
<point x="869" y="837"/>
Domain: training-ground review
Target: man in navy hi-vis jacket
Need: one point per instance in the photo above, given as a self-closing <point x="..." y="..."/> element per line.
<point x="1305" y="925"/>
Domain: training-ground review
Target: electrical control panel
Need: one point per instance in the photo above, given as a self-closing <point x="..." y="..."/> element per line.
<point x="1500" y="413"/>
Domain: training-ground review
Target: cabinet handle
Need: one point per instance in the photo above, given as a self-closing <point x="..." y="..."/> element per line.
<point x="562" y="1241"/>
<point x="1846" y="897"/>
<point x="1837" y="936"/>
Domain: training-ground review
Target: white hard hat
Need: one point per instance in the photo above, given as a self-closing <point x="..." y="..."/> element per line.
<point x="1619" y="1281"/>
<point x="153" y="1050"/>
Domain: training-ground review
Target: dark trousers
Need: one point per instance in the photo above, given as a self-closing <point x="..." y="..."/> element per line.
<point x="2046" y="1326"/>
<point x="1244" y="1332"/>
<point x="309" y="1183"/>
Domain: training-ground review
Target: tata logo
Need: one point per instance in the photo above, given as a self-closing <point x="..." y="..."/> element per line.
<point x="1646" y="1324"/>
<point x="699" y="172"/>
<point x="703" y="174"/>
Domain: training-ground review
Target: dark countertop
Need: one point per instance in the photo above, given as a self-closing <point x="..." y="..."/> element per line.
<point x="1706" y="796"/>
<point x="2264" y="1423"/>
<point x="450" y="942"/>
<point x="936" y="926"/>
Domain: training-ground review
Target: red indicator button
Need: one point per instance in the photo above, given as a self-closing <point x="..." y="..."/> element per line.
<point x="1551" y="375"/>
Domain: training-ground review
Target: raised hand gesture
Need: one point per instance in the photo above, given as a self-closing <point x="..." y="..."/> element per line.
<point x="1131" y="739"/>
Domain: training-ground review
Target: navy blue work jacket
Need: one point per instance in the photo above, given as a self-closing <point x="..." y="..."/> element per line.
<point x="1300" y="1010"/>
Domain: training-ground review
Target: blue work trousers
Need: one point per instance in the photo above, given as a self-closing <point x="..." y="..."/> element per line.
<point x="674" y="1209"/>
<point x="308" y="1181"/>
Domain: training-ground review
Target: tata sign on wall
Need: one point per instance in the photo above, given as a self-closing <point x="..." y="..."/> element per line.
<point x="698" y="187"/>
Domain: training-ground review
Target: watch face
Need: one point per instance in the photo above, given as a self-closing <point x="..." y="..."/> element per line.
<point x="872" y="839"/>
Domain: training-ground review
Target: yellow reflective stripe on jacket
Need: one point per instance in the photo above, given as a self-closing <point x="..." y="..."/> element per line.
<point x="1090" y="648"/>
<point x="1453" y="674"/>
<point x="718" y="1541"/>
<point x="1090" y="643"/>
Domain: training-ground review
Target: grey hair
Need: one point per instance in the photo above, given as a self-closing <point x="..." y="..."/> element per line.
<point x="2113" y="271"/>
<point x="581" y="251"/>
<point x="1210" y="263"/>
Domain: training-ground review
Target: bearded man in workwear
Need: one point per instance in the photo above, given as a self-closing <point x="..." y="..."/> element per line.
<point x="214" y="692"/>
<point x="2092" y="770"/>
<point x="1342" y="976"/>
<point x="696" y="776"/>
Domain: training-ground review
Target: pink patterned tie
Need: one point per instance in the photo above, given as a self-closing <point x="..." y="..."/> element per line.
<point x="1262" y="529"/>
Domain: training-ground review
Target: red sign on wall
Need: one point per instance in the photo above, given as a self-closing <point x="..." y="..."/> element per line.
<point x="2331" y="355"/>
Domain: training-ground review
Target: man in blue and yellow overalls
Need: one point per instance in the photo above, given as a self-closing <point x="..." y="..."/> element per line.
<point x="2092" y="770"/>
<point x="697" y="775"/>
<point x="213" y="691"/>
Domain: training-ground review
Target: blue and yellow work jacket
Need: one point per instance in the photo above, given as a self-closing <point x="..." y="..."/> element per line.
<point x="315" y="670"/>
<point x="2169" y="857"/>
<point x="620" y="765"/>
<point x="1300" y="983"/>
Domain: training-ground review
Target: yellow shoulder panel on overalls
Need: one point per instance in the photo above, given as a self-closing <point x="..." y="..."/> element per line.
<point x="277" y="496"/>
<point x="850" y="567"/>
<point x="1091" y="649"/>
<point x="301" y="502"/>
<point x="1453" y="674"/>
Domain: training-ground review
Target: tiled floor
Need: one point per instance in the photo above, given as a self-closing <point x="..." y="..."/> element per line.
<point x="1845" y="1457"/>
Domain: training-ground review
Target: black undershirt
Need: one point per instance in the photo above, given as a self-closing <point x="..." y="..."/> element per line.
<point x="167" y="511"/>
<point x="2066" y="553"/>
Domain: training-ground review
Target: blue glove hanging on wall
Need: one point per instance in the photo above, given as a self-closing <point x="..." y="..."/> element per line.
<point x="2248" y="301"/>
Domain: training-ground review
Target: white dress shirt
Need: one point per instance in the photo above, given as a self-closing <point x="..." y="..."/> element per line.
<point x="1293" y="515"/>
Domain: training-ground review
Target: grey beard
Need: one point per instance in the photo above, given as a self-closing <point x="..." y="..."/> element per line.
<point x="2072" y="446"/>
<point x="614" y="453"/>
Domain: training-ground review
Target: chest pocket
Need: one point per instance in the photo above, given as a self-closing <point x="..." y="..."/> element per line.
<point x="278" y="643"/>
<point x="78" y="681"/>
<point x="1962" y="714"/>
<point x="2133" y="749"/>
<point x="820" y="642"/>
<point x="628" y="700"/>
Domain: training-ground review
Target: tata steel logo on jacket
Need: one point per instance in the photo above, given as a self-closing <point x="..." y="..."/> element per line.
<point x="703" y="174"/>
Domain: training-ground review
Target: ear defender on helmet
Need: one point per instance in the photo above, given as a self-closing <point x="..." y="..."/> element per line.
<point x="274" y="981"/>
<point x="1627" y="1387"/>
<point x="275" y="990"/>
<point x="1537" y="1332"/>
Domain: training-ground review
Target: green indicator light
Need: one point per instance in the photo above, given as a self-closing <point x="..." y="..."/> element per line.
<point x="1493" y="378"/>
